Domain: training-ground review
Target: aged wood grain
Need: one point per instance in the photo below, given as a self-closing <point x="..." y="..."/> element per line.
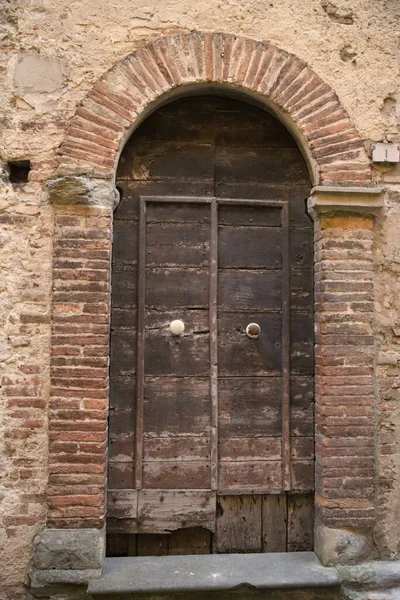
<point x="249" y="406"/>
<point x="122" y="504"/>
<point x="250" y="448"/>
<point x="191" y="448"/>
<point x="182" y="356"/>
<point x="240" y="356"/>
<point x="177" y="244"/>
<point x="244" y="289"/>
<point x="238" y="524"/>
<point x="302" y="475"/>
<point x="177" y="406"/>
<point x="162" y="511"/>
<point x="121" y="474"/>
<point x="152" y="544"/>
<point x="248" y="247"/>
<point x="189" y="541"/>
<point x="250" y="477"/>
<point x="274" y="523"/>
<point x="300" y="523"/>
<point x="177" y="287"/>
<point x="250" y="215"/>
<point x="178" y="474"/>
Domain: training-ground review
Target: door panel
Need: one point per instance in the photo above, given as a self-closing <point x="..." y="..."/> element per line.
<point x="207" y="429"/>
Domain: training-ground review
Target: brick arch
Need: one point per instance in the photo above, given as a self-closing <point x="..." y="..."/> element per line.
<point x="301" y="99"/>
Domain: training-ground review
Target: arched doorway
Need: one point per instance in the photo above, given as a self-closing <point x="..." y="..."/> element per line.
<point x="211" y="431"/>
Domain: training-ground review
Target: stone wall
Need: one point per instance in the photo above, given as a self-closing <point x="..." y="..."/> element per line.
<point x="52" y="53"/>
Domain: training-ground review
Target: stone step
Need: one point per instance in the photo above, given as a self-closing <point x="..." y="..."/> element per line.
<point x="278" y="576"/>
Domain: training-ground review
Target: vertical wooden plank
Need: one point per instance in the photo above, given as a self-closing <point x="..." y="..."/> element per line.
<point x="132" y="545"/>
<point x="238" y="524"/>
<point x="300" y="523"/>
<point x="117" y="544"/>
<point x="285" y="350"/>
<point x="152" y="544"/>
<point x="274" y="523"/>
<point x="190" y="541"/>
<point x="214" y="343"/>
<point x="141" y="306"/>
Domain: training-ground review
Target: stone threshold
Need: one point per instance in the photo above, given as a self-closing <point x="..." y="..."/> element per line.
<point x="212" y="573"/>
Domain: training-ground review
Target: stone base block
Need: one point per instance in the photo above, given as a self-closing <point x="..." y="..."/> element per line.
<point x="66" y="557"/>
<point x="341" y="546"/>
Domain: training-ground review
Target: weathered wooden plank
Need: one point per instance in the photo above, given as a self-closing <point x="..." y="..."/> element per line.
<point x="122" y="504"/>
<point x="301" y="248"/>
<point x="122" y="526"/>
<point x="176" y="474"/>
<point x="150" y="544"/>
<point x="286" y="472"/>
<point x="301" y="288"/>
<point x="242" y="356"/>
<point x="124" y="286"/>
<point x="121" y="474"/>
<point x="250" y="406"/>
<point x="250" y="477"/>
<point x="177" y="406"/>
<point x="176" y="122"/>
<point x="240" y="163"/>
<point x="302" y="406"/>
<point x="140" y="338"/>
<point x="196" y="321"/>
<point x="250" y="128"/>
<point x="250" y="448"/>
<point x="302" y="472"/>
<point x="249" y="247"/>
<point x="300" y="523"/>
<point x="117" y="544"/>
<point x="123" y="352"/>
<point x="177" y="287"/>
<point x="162" y="511"/>
<point x="178" y="212"/>
<point x="168" y="160"/>
<point x="238" y="526"/>
<point x="192" y="448"/>
<point x="190" y="541"/>
<point x="182" y="356"/>
<point x="259" y="216"/>
<point x="302" y="342"/>
<point x="251" y="190"/>
<point x="123" y="316"/>
<point x="274" y="523"/>
<point x="241" y="289"/>
<point x="302" y="448"/>
<point x="177" y="244"/>
<point x="122" y="392"/>
<point x="125" y="242"/>
<point x="213" y="310"/>
<point x="133" y="190"/>
<point x="121" y="444"/>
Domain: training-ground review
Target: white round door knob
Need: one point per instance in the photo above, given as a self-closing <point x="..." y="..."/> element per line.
<point x="177" y="327"/>
<point x="253" y="330"/>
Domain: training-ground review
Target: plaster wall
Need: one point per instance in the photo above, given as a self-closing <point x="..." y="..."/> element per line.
<point x="51" y="54"/>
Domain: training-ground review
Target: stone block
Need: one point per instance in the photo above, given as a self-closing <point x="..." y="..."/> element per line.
<point x="341" y="546"/>
<point x="69" y="549"/>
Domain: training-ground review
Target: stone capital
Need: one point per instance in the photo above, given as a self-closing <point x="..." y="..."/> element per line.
<point x="364" y="200"/>
<point x="80" y="190"/>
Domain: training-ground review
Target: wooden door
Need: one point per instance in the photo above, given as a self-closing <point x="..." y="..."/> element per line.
<point x="210" y="434"/>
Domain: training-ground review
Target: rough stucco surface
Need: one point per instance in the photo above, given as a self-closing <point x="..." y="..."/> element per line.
<point x="51" y="53"/>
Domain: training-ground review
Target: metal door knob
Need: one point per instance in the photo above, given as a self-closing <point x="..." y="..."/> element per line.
<point x="253" y="330"/>
<point x="177" y="327"/>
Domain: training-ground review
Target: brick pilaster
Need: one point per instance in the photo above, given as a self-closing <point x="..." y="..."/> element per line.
<point x="344" y="371"/>
<point x="79" y="367"/>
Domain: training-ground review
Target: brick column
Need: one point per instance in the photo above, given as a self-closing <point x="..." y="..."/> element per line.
<point x="76" y="493"/>
<point x="344" y="375"/>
